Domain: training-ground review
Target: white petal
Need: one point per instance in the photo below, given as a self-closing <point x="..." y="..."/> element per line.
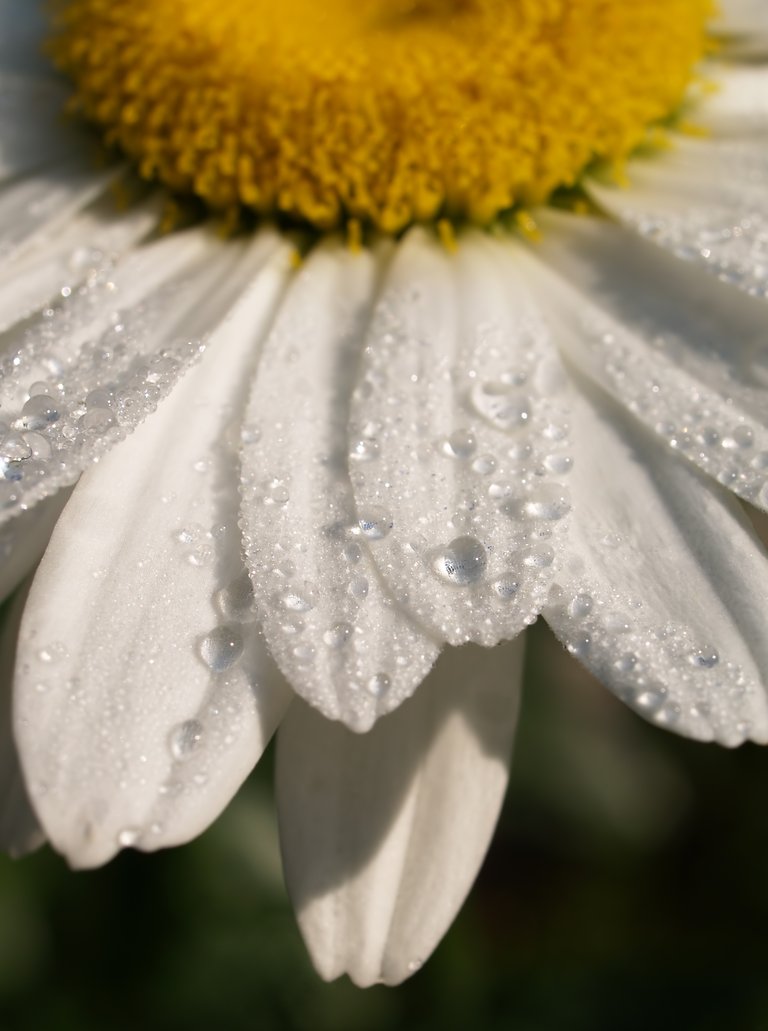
<point x="61" y="259"/>
<point x="137" y="717"/>
<point x="335" y="632"/>
<point x="383" y="834"/>
<point x="100" y="360"/>
<point x="692" y="202"/>
<point x="665" y="588"/>
<point x="19" y="829"/>
<point x="686" y="354"/>
<point x="457" y="413"/>
<point x="747" y="22"/>
<point x="41" y="203"/>
<point x="739" y="104"/>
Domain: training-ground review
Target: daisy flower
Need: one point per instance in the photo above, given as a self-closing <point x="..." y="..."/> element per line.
<point x="485" y="340"/>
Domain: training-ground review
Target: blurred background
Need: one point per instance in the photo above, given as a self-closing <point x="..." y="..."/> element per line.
<point x="627" y="888"/>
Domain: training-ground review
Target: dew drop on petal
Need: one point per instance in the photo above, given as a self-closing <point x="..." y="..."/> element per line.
<point x="461" y="445"/>
<point x="235" y="601"/>
<point x="40" y="411"/>
<point x="506" y="586"/>
<point x="338" y="635"/>
<point x="705" y="657"/>
<point x="462" y="562"/>
<point x="375" y="523"/>
<point x="221" y="648"/>
<point x="185" y="739"/>
<point x="379" y="684"/>
<point x="501" y="404"/>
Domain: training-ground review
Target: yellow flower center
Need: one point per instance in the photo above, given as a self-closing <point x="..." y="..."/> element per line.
<point x="385" y="111"/>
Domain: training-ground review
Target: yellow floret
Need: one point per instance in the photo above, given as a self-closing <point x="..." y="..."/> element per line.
<point x="387" y="113"/>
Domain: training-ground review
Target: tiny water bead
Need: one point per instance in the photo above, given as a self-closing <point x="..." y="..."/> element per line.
<point x="375" y="523"/>
<point x="504" y="406"/>
<point x="379" y="685"/>
<point x="185" y="739"/>
<point x="338" y="635"/>
<point x="221" y="648"/>
<point x="235" y="601"/>
<point x="461" y="444"/>
<point x="462" y="562"/>
<point x="704" y="657"/>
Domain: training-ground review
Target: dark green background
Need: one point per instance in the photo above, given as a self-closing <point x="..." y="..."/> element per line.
<point x="627" y="888"/>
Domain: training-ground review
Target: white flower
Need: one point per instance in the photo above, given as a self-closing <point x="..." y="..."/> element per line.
<point x="434" y="447"/>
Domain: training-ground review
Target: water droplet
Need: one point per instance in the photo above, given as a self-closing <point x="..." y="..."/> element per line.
<point x="581" y="606"/>
<point x="502" y="405"/>
<point x="379" y="684"/>
<point x="185" y="739"/>
<point x="364" y="450"/>
<point x="294" y="602"/>
<point x="704" y="658"/>
<point x="539" y="557"/>
<point x="358" y="587"/>
<point x="626" y="663"/>
<point x="15" y="448"/>
<point x="304" y="654"/>
<point x="739" y="439"/>
<point x="338" y="635"/>
<point x="276" y="493"/>
<point x="128" y="836"/>
<point x="558" y="464"/>
<point x="40" y="411"/>
<point x="461" y="445"/>
<point x="484" y="465"/>
<point x="649" y="700"/>
<point x="235" y="601"/>
<point x="506" y="586"/>
<point x="221" y="648"/>
<point x="352" y="553"/>
<point x="462" y="562"/>
<point x="375" y="523"/>
<point x="550" y="502"/>
<point x="97" y="420"/>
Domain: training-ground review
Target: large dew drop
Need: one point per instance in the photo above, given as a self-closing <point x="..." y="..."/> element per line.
<point x="462" y="562"/>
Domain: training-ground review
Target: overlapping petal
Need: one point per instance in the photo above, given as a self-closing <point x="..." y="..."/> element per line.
<point x="383" y="834"/>
<point x="144" y="690"/>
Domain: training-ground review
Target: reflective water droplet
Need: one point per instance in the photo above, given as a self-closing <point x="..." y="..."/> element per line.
<point x="185" y="739"/>
<point x="379" y="684"/>
<point x="375" y="523"/>
<point x="294" y="602"/>
<point x="649" y="700"/>
<point x="128" y="836"/>
<point x="304" y="654"/>
<point x="338" y="635"/>
<point x="276" y="493"/>
<point x="484" y="465"/>
<point x="539" y="557"/>
<point x="558" y="464"/>
<point x="364" y="450"/>
<point x="739" y="439"/>
<point x="221" y="648"/>
<point x="352" y="553"/>
<point x="462" y="562"/>
<point x="626" y="663"/>
<point x="235" y="601"/>
<point x="705" y="657"/>
<point x="550" y="502"/>
<point x="358" y="587"/>
<point x="461" y="445"/>
<point x="506" y="586"/>
<point x="501" y="404"/>
<point x="581" y="606"/>
<point x="15" y="448"/>
<point x="40" y="411"/>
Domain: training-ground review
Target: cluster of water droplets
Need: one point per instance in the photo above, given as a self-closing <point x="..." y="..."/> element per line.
<point x="81" y="375"/>
<point x="329" y="621"/>
<point x="692" y="370"/>
<point x="466" y="435"/>
<point x="662" y="669"/>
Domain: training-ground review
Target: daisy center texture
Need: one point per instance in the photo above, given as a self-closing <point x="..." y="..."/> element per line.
<point x="385" y="112"/>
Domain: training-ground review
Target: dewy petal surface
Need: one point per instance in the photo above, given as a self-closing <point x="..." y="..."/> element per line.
<point x="339" y="637"/>
<point x="19" y="829"/>
<point x="460" y="442"/>
<point x="686" y="354"/>
<point x="144" y="690"/>
<point x="664" y="587"/>
<point x="383" y="834"/>
<point x="91" y="368"/>
<point x="690" y="202"/>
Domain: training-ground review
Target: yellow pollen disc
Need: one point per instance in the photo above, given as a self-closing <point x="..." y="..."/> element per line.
<point x="385" y="112"/>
